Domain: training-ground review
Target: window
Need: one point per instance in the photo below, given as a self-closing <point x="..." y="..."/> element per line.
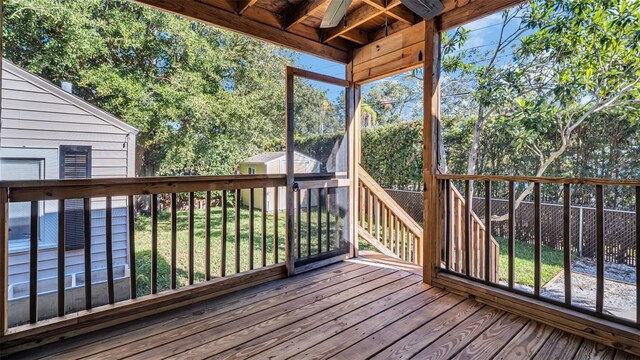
<point x="75" y="163"/>
<point x="20" y="213"/>
<point x="251" y="170"/>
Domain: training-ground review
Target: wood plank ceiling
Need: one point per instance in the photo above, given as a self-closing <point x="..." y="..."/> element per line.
<point x="295" y="24"/>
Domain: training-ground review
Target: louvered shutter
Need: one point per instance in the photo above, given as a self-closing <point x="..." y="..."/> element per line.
<point x="75" y="163"/>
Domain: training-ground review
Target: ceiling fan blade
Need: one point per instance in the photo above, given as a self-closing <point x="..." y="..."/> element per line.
<point x="335" y="12"/>
<point x="428" y="9"/>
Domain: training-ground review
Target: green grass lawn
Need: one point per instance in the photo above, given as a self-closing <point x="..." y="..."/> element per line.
<point x="143" y="244"/>
<point x="552" y="262"/>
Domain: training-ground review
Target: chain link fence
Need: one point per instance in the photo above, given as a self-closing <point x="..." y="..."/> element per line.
<point x="619" y="226"/>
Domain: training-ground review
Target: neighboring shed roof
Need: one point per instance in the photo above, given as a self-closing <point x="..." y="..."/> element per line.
<point x="268" y="157"/>
<point x="70" y="98"/>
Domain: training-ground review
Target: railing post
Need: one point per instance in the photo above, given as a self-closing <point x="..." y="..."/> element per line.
<point x="429" y="253"/>
<point x="4" y="260"/>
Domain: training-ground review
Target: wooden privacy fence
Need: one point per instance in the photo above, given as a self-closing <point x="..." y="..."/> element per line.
<point x="620" y="226"/>
<point x="450" y="230"/>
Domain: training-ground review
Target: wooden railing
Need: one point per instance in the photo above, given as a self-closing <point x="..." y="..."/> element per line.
<point x="459" y="216"/>
<point x="461" y="252"/>
<point x="111" y="299"/>
<point x="384" y="224"/>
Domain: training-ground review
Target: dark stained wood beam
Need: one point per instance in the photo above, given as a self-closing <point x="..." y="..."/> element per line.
<point x="243" y="5"/>
<point x="240" y="24"/>
<point x="299" y="13"/>
<point x="471" y="11"/>
<point x="357" y="18"/>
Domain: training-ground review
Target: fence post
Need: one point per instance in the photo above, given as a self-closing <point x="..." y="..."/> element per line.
<point x="580" y="231"/>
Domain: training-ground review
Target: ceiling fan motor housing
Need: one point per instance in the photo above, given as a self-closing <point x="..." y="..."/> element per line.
<point x="428" y="9"/>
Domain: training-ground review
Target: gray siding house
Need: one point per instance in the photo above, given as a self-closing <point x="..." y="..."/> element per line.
<point x="48" y="133"/>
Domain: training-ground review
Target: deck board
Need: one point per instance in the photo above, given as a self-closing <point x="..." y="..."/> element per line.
<point x="370" y="307"/>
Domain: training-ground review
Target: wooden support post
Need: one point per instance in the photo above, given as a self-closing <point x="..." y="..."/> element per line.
<point x="429" y="254"/>
<point x="354" y="151"/>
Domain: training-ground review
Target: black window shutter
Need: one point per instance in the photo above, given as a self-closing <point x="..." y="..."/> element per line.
<point x="75" y="163"/>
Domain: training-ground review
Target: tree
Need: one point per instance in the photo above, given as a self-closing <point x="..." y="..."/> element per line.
<point x="203" y="98"/>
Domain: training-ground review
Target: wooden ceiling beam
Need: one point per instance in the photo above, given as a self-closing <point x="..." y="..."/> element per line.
<point x="357" y="18"/>
<point x="230" y="21"/>
<point x="299" y="13"/>
<point x="243" y="5"/>
<point x="357" y="36"/>
<point x="472" y="10"/>
<point x="400" y="13"/>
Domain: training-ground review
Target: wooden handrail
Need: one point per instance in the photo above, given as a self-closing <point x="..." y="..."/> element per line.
<point x="540" y="180"/>
<point x="72" y="189"/>
<point x="386" y="225"/>
<point x="388" y="201"/>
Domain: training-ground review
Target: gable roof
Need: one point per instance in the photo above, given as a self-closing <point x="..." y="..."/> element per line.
<point x="68" y="97"/>
<point x="268" y="157"/>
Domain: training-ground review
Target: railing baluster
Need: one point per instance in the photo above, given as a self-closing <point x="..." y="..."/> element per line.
<point x="132" y="246"/>
<point x="567" y="243"/>
<point x="251" y="227"/>
<point x="336" y="228"/>
<point x="223" y="245"/>
<point x="384" y="225"/>
<point x="154" y="244"/>
<point x="369" y="210"/>
<point x="308" y="222"/>
<point x="237" y="230"/>
<point x="319" y="225"/>
<point x="328" y="218"/>
<point x="447" y="227"/>
<point x="299" y="220"/>
<point x="512" y="232"/>
<point x="191" y="236"/>
<point x="404" y="242"/>
<point x="207" y="237"/>
<point x="61" y="257"/>
<point x="377" y="218"/>
<point x="4" y="260"/>
<point x="87" y="253"/>
<point x="264" y="227"/>
<point x="397" y="234"/>
<point x="487" y="232"/>
<point x="174" y="240"/>
<point x="638" y="255"/>
<point x="392" y="233"/>
<point x="538" y="238"/>
<point x="276" y="210"/>
<point x="362" y="198"/>
<point x="33" y="263"/>
<point x="599" y="248"/>
<point x="467" y="228"/>
<point x="109" y="249"/>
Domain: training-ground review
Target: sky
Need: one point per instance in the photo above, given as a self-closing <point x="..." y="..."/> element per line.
<point x="483" y="35"/>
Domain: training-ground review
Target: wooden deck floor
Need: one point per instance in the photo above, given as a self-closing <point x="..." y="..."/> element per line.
<point x="372" y="307"/>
